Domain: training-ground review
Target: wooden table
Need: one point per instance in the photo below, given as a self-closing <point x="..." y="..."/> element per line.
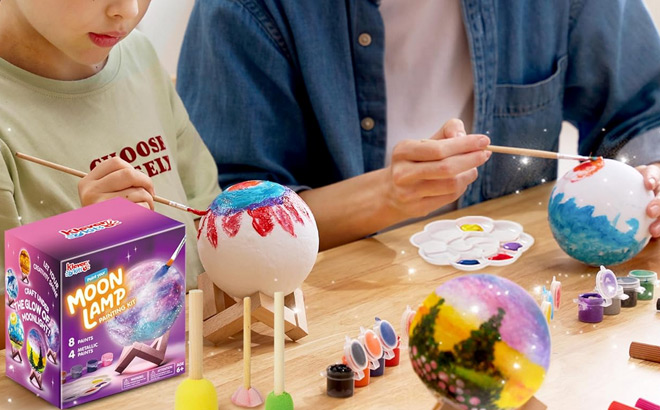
<point x="379" y="276"/>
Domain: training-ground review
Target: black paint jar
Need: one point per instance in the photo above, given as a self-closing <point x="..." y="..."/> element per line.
<point x="340" y="380"/>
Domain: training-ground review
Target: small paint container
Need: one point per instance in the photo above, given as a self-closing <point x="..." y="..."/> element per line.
<point x="647" y="279"/>
<point x="590" y="308"/>
<point x="355" y="357"/>
<point x="394" y="361"/>
<point x="92" y="365"/>
<point x="615" y="307"/>
<point x="610" y="290"/>
<point x="63" y="376"/>
<point x="76" y="371"/>
<point x="380" y="370"/>
<point x="340" y="381"/>
<point x="106" y="359"/>
<point x="631" y="287"/>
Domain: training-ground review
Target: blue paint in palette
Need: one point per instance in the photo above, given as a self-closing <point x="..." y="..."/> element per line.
<point x="593" y="240"/>
<point x="468" y="262"/>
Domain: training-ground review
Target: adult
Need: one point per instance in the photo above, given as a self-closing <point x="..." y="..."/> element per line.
<point x="295" y="92"/>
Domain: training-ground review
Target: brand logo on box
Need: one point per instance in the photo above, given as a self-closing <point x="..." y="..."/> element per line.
<point x="79" y="232"/>
<point x="76" y="268"/>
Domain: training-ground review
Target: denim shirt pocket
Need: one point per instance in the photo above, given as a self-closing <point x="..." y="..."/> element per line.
<point x="528" y="116"/>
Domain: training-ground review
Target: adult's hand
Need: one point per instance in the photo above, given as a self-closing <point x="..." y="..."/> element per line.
<point x="428" y="174"/>
<point x="116" y="177"/>
<point x="651" y="175"/>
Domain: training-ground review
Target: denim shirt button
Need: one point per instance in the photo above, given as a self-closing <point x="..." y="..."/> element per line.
<point x="364" y="39"/>
<point x="367" y="123"/>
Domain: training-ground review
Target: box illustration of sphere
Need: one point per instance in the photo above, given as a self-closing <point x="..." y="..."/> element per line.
<point x="96" y="302"/>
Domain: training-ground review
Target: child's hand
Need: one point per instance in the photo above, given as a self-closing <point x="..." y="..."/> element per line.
<point x="651" y="175"/>
<point x="425" y="175"/>
<point x="116" y="177"/>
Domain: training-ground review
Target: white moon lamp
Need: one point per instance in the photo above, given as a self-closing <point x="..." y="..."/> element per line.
<point x="258" y="236"/>
<point x="597" y="212"/>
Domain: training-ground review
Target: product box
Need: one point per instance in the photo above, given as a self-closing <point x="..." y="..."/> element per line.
<point x="95" y="302"/>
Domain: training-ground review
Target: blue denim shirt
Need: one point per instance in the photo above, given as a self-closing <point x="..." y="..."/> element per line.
<point x="280" y="89"/>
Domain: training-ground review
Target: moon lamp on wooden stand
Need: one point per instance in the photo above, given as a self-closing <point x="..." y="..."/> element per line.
<point x="256" y="238"/>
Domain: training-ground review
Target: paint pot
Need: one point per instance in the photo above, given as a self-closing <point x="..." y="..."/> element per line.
<point x="397" y="353"/>
<point x="387" y="336"/>
<point x="106" y="359"/>
<point x="380" y="370"/>
<point x="610" y="290"/>
<point x="365" y="380"/>
<point x="647" y="279"/>
<point x="340" y="381"/>
<point x="590" y="308"/>
<point x="615" y="307"/>
<point x="355" y="357"/>
<point x="76" y="371"/>
<point x="63" y="376"/>
<point x="631" y="287"/>
<point x="372" y="346"/>
<point x="92" y="365"/>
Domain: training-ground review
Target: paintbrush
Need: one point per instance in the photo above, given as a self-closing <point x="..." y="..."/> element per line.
<point x="537" y="153"/>
<point x="163" y="270"/>
<point x="81" y="174"/>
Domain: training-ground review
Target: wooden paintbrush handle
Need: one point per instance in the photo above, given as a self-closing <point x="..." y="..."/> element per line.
<point x="522" y="151"/>
<point x="81" y="174"/>
<point x="195" y="334"/>
<point x="645" y="352"/>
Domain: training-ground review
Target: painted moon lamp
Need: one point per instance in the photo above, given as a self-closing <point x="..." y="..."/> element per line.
<point x="258" y="236"/>
<point x="480" y="341"/>
<point x="16" y="332"/>
<point x="54" y="336"/>
<point x="597" y="212"/>
<point x="159" y="300"/>
<point x="11" y="284"/>
<point x="36" y="351"/>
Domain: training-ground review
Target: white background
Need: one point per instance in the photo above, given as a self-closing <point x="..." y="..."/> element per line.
<point x="166" y="20"/>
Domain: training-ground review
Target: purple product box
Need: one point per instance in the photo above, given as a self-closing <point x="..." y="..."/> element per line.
<point x="95" y="302"/>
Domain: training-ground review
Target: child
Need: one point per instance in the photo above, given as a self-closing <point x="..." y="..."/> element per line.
<point x="79" y="89"/>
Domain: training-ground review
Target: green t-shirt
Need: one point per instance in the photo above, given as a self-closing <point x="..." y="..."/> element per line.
<point x="129" y="109"/>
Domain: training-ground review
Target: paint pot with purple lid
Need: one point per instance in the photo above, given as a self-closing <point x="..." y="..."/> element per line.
<point x="631" y="287"/>
<point x="590" y="308"/>
<point x="610" y="290"/>
<point x="340" y="380"/>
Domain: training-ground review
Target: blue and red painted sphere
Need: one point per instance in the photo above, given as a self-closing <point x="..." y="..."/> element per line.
<point x="258" y="236"/>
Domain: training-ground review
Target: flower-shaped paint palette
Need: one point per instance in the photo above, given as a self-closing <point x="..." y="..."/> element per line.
<point x="472" y="242"/>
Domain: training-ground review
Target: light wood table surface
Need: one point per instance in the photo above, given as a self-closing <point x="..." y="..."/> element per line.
<point x="379" y="276"/>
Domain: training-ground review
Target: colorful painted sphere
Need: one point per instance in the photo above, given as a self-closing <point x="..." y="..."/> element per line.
<point x="36" y="351"/>
<point x="11" y="284"/>
<point x="16" y="332"/>
<point x="481" y="342"/>
<point x="54" y="336"/>
<point x="597" y="212"/>
<point x="258" y="236"/>
<point x="159" y="300"/>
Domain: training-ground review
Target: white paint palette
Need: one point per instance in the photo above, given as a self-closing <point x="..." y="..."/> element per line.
<point x="472" y="242"/>
<point x="84" y="387"/>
